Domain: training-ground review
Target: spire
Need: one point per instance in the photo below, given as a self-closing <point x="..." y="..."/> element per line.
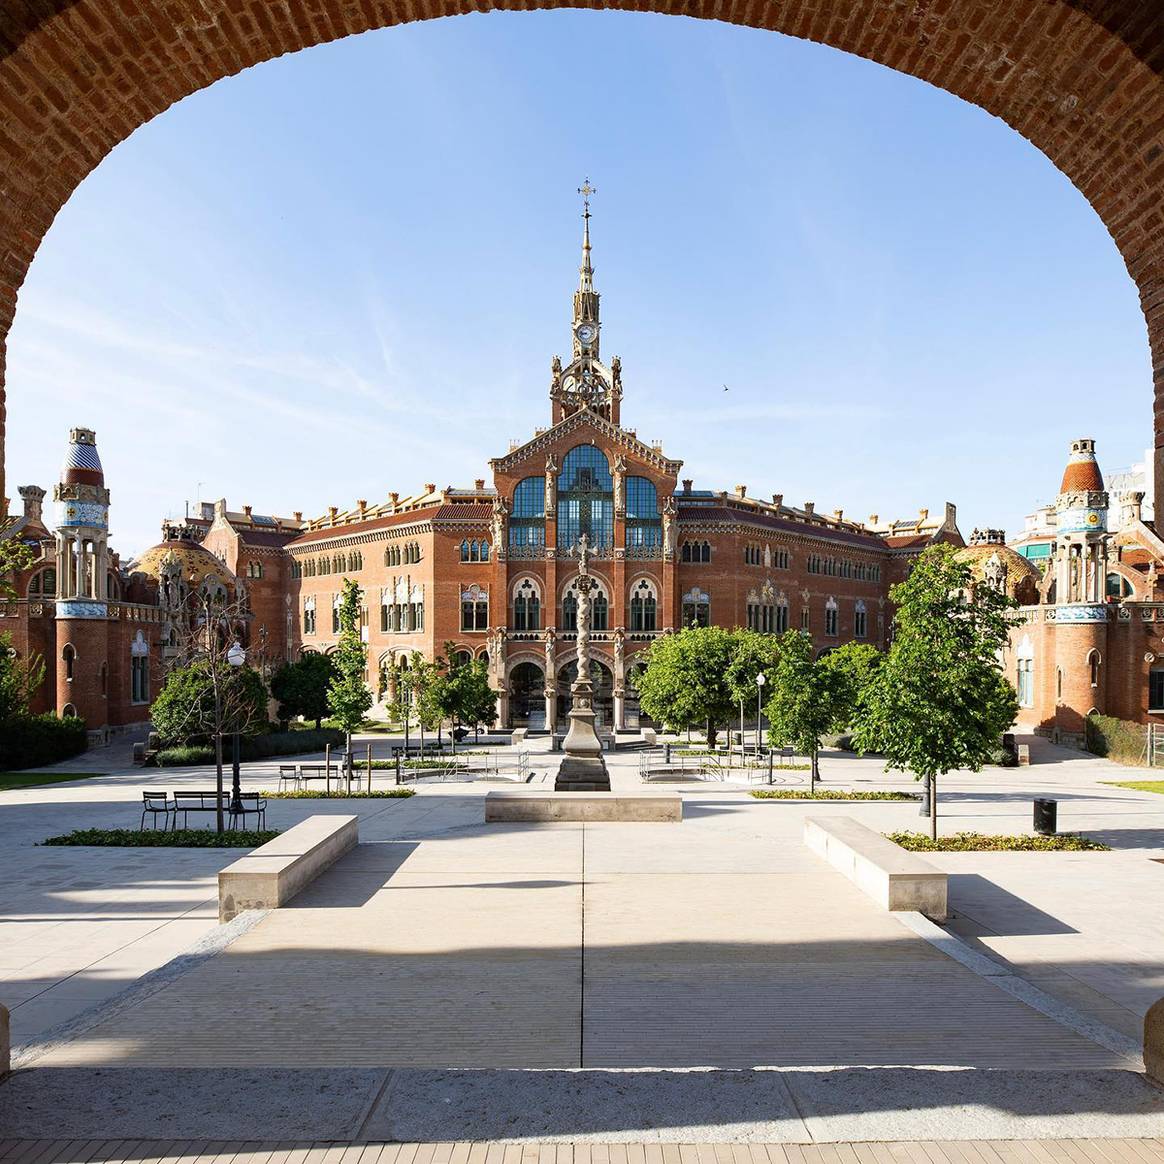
<point x="586" y="271"/>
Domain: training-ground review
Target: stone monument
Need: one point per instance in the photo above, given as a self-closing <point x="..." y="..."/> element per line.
<point x="583" y="769"/>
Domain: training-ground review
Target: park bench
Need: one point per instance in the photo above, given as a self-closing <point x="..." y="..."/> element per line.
<point x="250" y="804"/>
<point x="155" y="804"/>
<point x="188" y="802"/>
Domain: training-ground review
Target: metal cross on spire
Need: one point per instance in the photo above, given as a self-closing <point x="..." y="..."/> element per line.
<point x="586" y="190"/>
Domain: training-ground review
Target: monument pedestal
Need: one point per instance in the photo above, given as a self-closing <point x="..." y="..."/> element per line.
<point x="582" y="774"/>
<point x="583" y="768"/>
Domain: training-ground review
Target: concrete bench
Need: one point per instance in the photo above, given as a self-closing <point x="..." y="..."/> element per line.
<point x="649" y="737"/>
<point x="531" y="805"/>
<point x="273" y="873"/>
<point x="895" y="878"/>
<point x="518" y="736"/>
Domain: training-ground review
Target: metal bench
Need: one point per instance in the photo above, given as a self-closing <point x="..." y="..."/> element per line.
<point x="250" y="804"/>
<point x="188" y="802"/>
<point x="288" y="774"/>
<point x="155" y="804"/>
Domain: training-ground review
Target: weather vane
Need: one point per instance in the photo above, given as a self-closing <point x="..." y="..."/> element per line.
<point x="586" y="190"/>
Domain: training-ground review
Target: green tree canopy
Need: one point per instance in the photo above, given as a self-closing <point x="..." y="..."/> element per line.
<point x="348" y="696"/>
<point x="301" y="686"/>
<point x="807" y="698"/>
<point x="854" y="665"/>
<point x="940" y="701"/>
<point x="752" y="653"/>
<point x="685" y="682"/>
<point x="20" y="679"/>
<point x="185" y="708"/>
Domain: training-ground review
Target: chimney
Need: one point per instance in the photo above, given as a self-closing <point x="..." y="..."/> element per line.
<point x="479" y="484"/>
<point x="922" y="515"/>
<point x="809" y="506"/>
<point x="838" y="515"/>
<point x="430" y="487"/>
<point x="951" y="521"/>
<point x="394" y="497"/>
<point x="332" y="510"/>
<point x="741" y="491"/>
<point x="298" y="515"/>
<point x="247" y="510"/>
<point x="873" y="518"/>
<point x="778" y="499"/>
<point x="686" y="484"/>
<point x="33" y="498"/>
<point x="362" y="506"/>
<point x="1132" y="507"/>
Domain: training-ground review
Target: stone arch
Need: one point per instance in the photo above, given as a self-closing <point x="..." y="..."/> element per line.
<point x="1084" y="83"/>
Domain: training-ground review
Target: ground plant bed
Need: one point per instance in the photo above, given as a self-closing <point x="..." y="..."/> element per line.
<point x="12" y="780"/>
<point x="341" y="794"/>
<point x="826" y="794"/>
<point x="1137" y="785"/>
<point x="987" y="843"/>
<point x="162" y="839"/>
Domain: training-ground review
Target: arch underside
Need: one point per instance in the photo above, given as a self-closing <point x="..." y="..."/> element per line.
<point x="1082" y="80"/>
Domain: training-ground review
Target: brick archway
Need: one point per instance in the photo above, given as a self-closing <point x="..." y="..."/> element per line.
<point x="1082" y="80"/>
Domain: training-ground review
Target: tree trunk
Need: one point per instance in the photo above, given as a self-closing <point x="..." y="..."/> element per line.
<point x="710" y="735"/>
<point x="933" y="808"/>
<point x="219" y="823"/>
<point x="813" y="773"/>
<point x="348" y="759"/>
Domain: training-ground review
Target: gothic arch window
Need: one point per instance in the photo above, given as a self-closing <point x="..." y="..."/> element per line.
<point x="860" y="621"/>
<point x="644" y="525"/>
<point x="69" y="711"/>
<point x="139" y="669"/>
<point x="69" y="658"/>
<point x="1117" y="586"/>
<point x="527" y="521"/>
<point x="474" y="608"/>
<point x="336" y="603"/>
<point x="1058" y="682"/>
<point x="296" y="568"/>
<point x="44" y="584"/>
<point x="781" y="614"/>
<point x="356" y="560"/>
<point x="1025" y="672"/>
<point x="474" y="551"/>
<point x="1094" y="662"/>
<point x="309" y="615"/>
<point x="696" y="608"/>
<point x="585" y="499"/>
<point x="254" y="569"/>
<point x="695" y="552"/>
<point x="781" y="558"/>
<point x="527" y="605"/>
<point x="462" y="658"/>
<point x="831" y="616"/>
<point x="599" y="607"/>
<point x="644" y="605"/>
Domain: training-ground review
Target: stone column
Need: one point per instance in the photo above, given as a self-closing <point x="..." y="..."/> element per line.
<point x="551" y="697"/>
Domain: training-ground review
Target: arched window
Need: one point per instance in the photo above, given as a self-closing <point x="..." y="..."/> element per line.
<point x="527" y="606"/>
<point x="69" y="658"/>
<point x="643" y="606"/>
<point x="475" y="609"/>
<point x="44" y="584"/>
<point x="484" y="551"/>
<point x="465" y="550"/>
<point x="309" y="615"/>
<point x="599" y="607"/>
<point x="139" y="669"/>
<point x="831" y="615"/>
<point x="644" y="525"/>
<point x="336" y="603"/>
<point x="296" y="568"/>
<point x="254" y="569"/>
<point x="696" y="608"/>
<point x="462" y="658"/>
<point x="1093" y="664"/>
<point x="356" y="560"/>
<point x="1025" y="673"/>
<point x="585" y="499"/>
<point x="860" y="621"/>
<point x="695" y="552"/>
<point x="1118" y="586"/>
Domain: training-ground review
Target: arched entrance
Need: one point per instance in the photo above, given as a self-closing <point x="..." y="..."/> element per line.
<point x="527" y="695"/>
<point x="1082" y="82"/>
<point x="635" y="716"/>
<point x="602" y="682"/>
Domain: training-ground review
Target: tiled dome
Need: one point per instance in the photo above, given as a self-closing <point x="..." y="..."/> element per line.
<point x="1082" y="474"/>
<point x="197" y="563"/>
<point x="82" y="463"/>
<point x="1022" y="576"/>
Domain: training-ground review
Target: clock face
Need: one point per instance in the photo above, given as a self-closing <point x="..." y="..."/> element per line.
<point x="586" y="333"/>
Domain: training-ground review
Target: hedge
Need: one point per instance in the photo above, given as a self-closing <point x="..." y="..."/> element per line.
<point x="262" y="747"/>
<point x="1118" y="739"/>
<point x="166" y="839"/>
<point x="985" y="842"/>
<point x="34" y="740"/>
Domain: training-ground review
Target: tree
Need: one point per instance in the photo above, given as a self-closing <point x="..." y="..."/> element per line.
<point x="19" y="681"/>
<point x="685" y="681"/>
<point x="753" y="654"/>
<point x="204" y="695"/>
<point x="940" y="701"/>
<point x="14" y="557"/>
<point x="474" y="702"/>
<point x="855" y="665"/>
<point x="348" y="696"/>
<point x="807" y="698"/>
<point x="301" y="687"/>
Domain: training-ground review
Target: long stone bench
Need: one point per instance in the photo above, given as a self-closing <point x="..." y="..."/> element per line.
<point x="533" y="805"/>
<point x="273" y="873"/>
<point x="894" y="877"/>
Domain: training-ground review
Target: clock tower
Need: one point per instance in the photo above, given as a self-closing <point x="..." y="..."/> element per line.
<point x="586" y="382"/>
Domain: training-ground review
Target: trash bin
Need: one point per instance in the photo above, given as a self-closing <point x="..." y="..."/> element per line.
<point x="1046" y="817"/>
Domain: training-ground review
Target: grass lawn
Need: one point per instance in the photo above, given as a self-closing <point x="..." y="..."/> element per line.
<point x="984" y="842"/>
<point x="825" y="794"/>
<point x="159" y="838"/>
<point x="11" y="780"/>
<point x="1138" y="785"/>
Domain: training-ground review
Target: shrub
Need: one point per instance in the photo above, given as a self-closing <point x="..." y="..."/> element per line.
<point x="34" y="740"/>
<point x="185" y="755"/>
<point x="160" y="838"/>
<point x="982" y="842"/>
<point x="1003" y="758"/>
<point x="290" y="743"/>
<point x="1118" y="739"/>
<point x="826" y="794"/>
<point x="339" y="794"/>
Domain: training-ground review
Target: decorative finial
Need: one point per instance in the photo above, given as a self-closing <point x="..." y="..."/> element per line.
<point x="586" y="190"/>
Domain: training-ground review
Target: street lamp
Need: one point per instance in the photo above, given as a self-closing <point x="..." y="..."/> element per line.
<point x="761" y="679"/>
<point x="236" y="657"/>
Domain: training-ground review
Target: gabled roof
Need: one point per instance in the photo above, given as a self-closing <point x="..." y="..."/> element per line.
<point x="582" y="419"/>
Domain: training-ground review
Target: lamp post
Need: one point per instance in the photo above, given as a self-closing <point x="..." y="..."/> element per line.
<point x="236" y="657"/>
<point x="761" y="679"/>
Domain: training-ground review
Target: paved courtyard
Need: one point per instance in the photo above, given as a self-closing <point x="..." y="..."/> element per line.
<point x="442" y="946"/>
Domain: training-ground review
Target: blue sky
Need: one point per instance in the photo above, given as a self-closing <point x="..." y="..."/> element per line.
<point x="344" y="272"/>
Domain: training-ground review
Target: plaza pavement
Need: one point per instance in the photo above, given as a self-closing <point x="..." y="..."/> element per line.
<point x="721" y="942"/>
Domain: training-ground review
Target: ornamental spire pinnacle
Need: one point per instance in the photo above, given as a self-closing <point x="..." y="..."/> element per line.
<point x="586" y="271"/>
